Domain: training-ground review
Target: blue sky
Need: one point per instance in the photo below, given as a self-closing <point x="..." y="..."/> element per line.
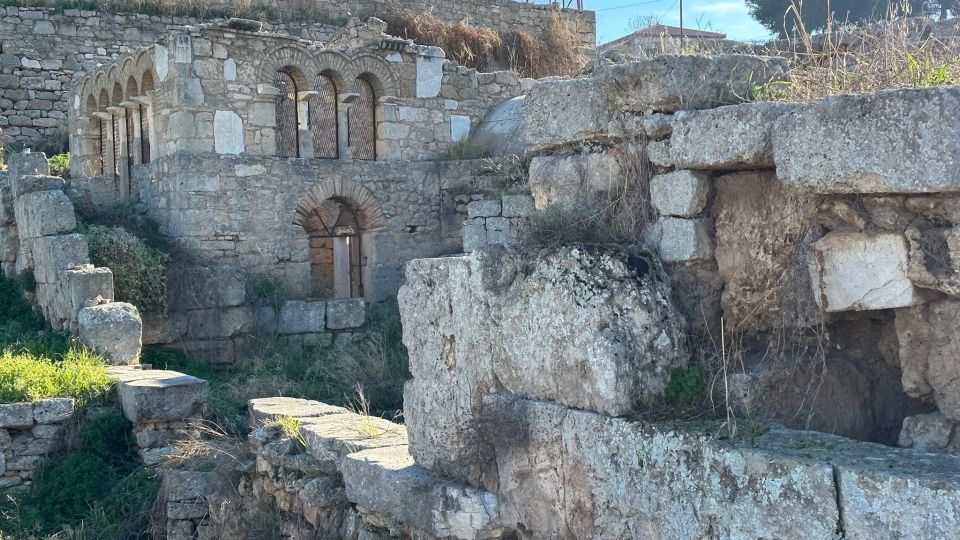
<point x="614" y="17"/>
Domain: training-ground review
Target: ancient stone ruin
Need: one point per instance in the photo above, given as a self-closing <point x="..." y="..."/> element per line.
<point x="802" y="250"/>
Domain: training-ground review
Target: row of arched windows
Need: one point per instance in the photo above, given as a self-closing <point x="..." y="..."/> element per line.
<point x="312" y="107"/>
<point x="121" y="124"/>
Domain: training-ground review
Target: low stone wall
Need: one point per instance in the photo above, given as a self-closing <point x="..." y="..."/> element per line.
<point x="29" y="434"/>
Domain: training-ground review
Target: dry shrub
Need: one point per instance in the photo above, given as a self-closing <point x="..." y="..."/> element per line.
<point x="465" y="43"/>
<point x="895" y="53"/>
<point x="554" y="52"/>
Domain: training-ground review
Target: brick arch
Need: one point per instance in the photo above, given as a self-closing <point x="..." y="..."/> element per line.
<point x="369" y="212"/>
<point x="286" y="58"/>
<point x="333" y="64"/>
<point x="132" y="88"/>
<point x="378" y="73"/>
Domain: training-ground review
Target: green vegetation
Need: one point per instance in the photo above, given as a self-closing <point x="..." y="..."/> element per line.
<point x="686" y="385"/>
<point x="377" y="363"/>
<point x="271" y="293"/>
<point x="98" y="490"/>
<point x="467" y="149"/>
<point x="79" y="374"/>
<point x="139" y="271"/>
<point x="291" y="429"/>
<point x="60" y="165"/>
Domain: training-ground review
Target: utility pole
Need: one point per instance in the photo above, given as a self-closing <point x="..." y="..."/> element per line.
<point x="681" y="25"/>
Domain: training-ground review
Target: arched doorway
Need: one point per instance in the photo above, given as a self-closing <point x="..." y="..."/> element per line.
<point x="335" y="249"/>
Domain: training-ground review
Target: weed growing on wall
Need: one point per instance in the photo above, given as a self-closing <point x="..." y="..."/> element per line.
<point x="139" y="271"/>
<point x="60" y="165"/>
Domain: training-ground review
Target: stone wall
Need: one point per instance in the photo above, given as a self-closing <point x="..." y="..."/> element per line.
<point x="793" y="225"/>
<point x="72" y="294"/>
<point x="496" y="222"/>
<point x="29" y="434"/>
<point x="43" y="51"/>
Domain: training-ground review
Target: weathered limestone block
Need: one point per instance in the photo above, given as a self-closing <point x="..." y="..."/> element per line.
<point x="682" y="240"/>
<point x="517" y="206"/>
<point x="199" y="287"/>
<point x="331" y="437"/>
<point x="858" y="272"/>
<point x="732" y="137"/>
<point x="930" y="354"/>
<point x="44" y="213"/>
<point x="159" y="395"/>
<point x="54" y="254"/>
<point x="761" y="228"/>
<point x="31" y="183"/>
<point x="869" y="143"/>
<point x="670" y="83"/>
<point x="112" y="329"/>
<point x="16" y="415"/>
<point x="484" y="208"/>
<point x="930" y="433"/>
<point x="345" y="314"/>
<point x="387" y="481"/>
<point x="586" y="112"/>
<point x="935" y="259"/>
<point x="7" y="215"/>
<point x="302" y="317"/>
<point x="574" y="179"/>
<point x="264" y="410"/>
<point x="53" y="410"/>
<point x="86" y="285"/>
<point x="473" y="322"/>
<point x="9" y="243"/>
<point x="680" y="193"/>
<point x="27" y="163"/>
<point x="503" y="131"/>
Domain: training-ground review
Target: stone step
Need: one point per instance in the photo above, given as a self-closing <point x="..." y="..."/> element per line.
<point x="265" y="410"/>
<point x="387" y="481"/>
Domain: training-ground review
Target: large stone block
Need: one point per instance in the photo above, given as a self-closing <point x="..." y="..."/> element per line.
<point x="761" y="230"/>
<point x="585" y="112"/>
<point x="935" y="259"/>
<point x="44" y="213"/>
<point x="682" y="240"/>
<point x="302" y="317"/>
<point x="387" y="481"/>
<point x="345" y="314"/>
<point x="9" y="243"/>
<point x="680" y="193"/>
<point x="574" y="179"/>
<point x="199" y="287"/>
<point x="114" y="330"/>
<point x="16" y="415"/>
<point x="160" y="396"/>
<point x="54" y="254"/>
<point x="264" y="410"/>
<point x="86" y="285"/>
<point x="331" y="437"/>
<point x="588" y="327"/>
<point x="872" y="143"/>
<point x="859" y="272"/>
<point x="732" y="137"/>
<point x="930" y="354"/>
<point x="28" y="184"/>
<point x="53" y="410"/>
<point x="7" y="215"/>
<point x="27" y="163"/>
<point x="930" y="433"/>
<point x="670" y="83"/>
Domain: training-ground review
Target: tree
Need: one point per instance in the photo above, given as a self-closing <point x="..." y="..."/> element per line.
<point x="780" y="16"/>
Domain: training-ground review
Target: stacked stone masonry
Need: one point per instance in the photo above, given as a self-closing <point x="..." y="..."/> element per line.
<point x="36" y="77"/>
<point x="30" y="433"/>
<point x="495" y="222"/>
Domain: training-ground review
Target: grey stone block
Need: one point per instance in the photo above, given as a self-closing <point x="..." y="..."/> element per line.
<point x="16" y="415"/>
<point x="114" y="330"/>
<point x="680" y="193"/>
<point x="54" y="410"/>
<point x="517" y="206"/>
<point x="346" y="314"/>
<point x="484" y="208"/>
<point x="55" y="254"/>
<point x="44" y="213"/>
<point x="681" y="240"/>
<point x="159" y="395"/>
<point x="302" y="317"/>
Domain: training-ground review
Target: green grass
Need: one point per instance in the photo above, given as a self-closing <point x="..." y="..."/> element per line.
<point x="378" y="364"/>
<point x="26" y="377"/>
<point x="291" y="429"/>
<point x="60" y="165"/>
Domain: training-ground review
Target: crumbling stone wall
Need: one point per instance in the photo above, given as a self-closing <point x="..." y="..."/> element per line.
<point x="29" y="434"/>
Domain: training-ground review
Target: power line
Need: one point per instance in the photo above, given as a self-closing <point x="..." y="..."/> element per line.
<point x="631" y="5"/>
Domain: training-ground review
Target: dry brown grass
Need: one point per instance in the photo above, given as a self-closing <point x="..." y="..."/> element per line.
<point x="895" y="53"/>
<point x="553" y="52"/>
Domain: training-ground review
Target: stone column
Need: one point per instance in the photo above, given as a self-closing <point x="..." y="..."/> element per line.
<point x="341" y="267"/>
<point x="85" y="161"/>
<point x="343" y="124"/>
<point x="303" y="123"/>
<point x="119" y="131"/>
<point x="106" y="148"/>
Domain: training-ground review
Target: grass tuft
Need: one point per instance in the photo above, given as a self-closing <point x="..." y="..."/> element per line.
<point x="139" y="271"/>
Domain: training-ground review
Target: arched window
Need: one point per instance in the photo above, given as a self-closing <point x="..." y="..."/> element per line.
<point x="105" y="131"/>
<point x="96" y="164"/>
<point x="131" y="125"/>
<point x="335" y="263"/>
<point x="288" y="138"/>
<point x="118" y="130"/>
<point x="146" y="85"/>
<point x="362" y="121"/>
<point x="323" y="118"/>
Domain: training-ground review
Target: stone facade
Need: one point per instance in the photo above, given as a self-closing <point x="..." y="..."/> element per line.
<point x="30" y="433"/>
<point x="37" y="77"/>
<point x="496" y="222"/>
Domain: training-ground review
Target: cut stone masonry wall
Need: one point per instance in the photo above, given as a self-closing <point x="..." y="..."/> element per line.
<point x="496" y="222"/>
<point x="29" y="434"/>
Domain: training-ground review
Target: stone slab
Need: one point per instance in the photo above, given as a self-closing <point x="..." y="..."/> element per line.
<point x="160" y="395"/>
